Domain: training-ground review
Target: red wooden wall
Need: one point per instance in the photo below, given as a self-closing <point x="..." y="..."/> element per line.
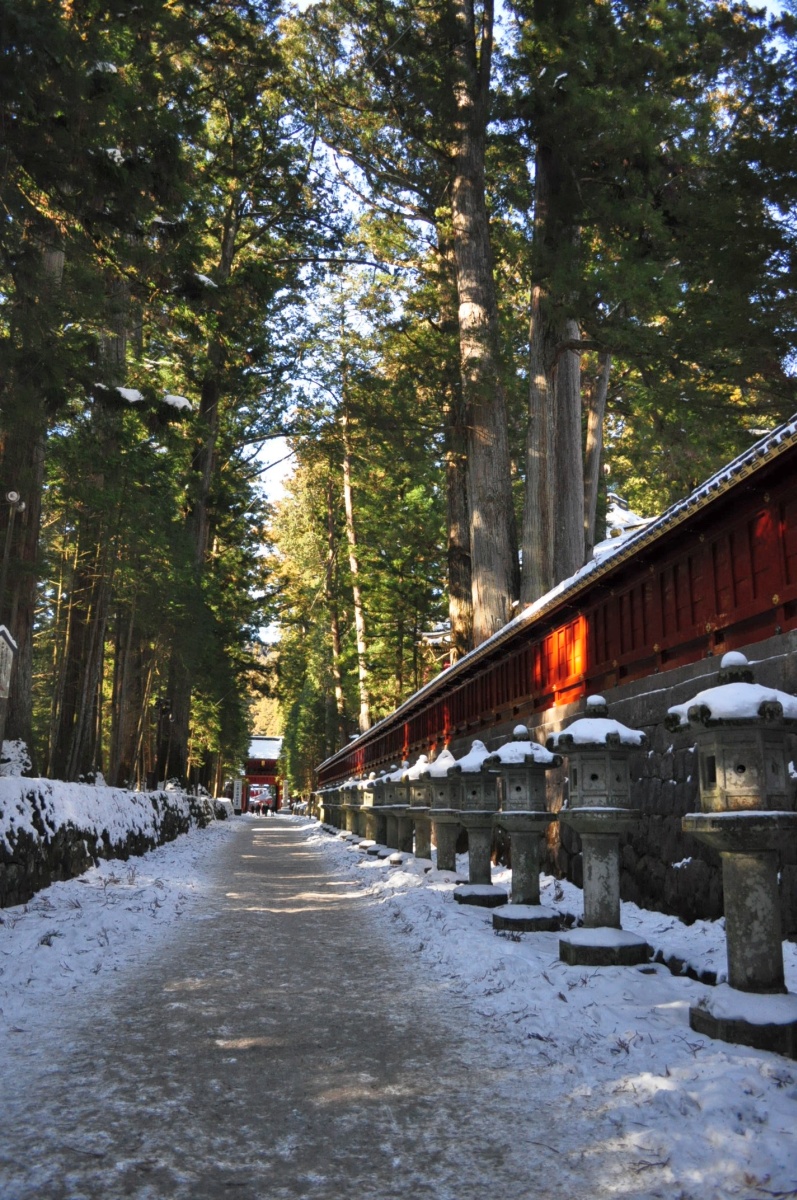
<point x="724" y="578"/>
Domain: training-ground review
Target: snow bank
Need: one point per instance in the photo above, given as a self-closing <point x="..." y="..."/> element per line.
<point x="689" y="1117"/>
<point x="51" y="830"/>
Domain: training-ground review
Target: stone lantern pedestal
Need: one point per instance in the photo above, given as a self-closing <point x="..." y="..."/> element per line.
<point x="520" y="766"/>
<point x="747" y="804"/>
<point x="383" y="790"/>
<point x="337" y="807"/>
<point x="444" y="809"/>
<point x="332" y="806"/>
<point x="370" y="818"/>
<point x="358" y="822"/>
<point x="348" y="806"/>
<point x="478" y="803"/>
<point x="418" y="812"/>
<point x="597" y="750"/>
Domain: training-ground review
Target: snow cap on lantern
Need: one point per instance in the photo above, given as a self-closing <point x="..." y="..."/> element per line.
<point x="740" y="729"/>
<point x="598" y="749"/>
<point x="436" y="776"/>
<point x="521" y="765"/>
<point x="477" y="791"/>
<point x="395" y="790"/>
<point x="368" y="790"/>
<point x="414" y="777"/>
<point x="381" y="785"/>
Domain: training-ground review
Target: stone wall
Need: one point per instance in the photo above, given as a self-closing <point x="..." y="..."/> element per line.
<point x="662" y="868"/>
<point x="44" y="851"/>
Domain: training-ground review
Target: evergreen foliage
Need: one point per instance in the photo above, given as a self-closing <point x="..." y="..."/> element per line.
<point x="366" y="228"/>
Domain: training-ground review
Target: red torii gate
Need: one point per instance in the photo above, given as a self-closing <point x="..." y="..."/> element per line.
<point x="261" y="767"/>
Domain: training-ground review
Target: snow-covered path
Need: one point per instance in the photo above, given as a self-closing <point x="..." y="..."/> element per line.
<point x="305" y="1030"/>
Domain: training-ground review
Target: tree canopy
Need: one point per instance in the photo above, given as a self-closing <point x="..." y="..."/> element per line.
<point x="475" y="268"/>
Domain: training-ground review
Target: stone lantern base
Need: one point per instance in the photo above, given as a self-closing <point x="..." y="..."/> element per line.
<point x="602" y="947"/>
<point x="748" y="842"/>
<point x="405" y="833"/>
<point x="525" y="830"/>
<point x="765" y="1022"/>
<point x="481" y="895"/>
<point x="446" y="824"/>
<point x="423" y="831"/>
<point x="479" y="825"/>
<point x="526" y="918"/>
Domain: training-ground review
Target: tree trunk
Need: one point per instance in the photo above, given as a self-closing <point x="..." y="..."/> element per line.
<point x="538" y="518"/>
<point x="334" y="619"/>
<point x="567" y="483"/>
<point x="460" y="599"/>
<point x="36" y="322"/>
<point x="492" y="536"/>
<point x="553" y="516"/>
<point x="181" y="672"/>
<point x="460" y="603"/>
<point x="594" y="450"/>
<point x="354" y="568"/>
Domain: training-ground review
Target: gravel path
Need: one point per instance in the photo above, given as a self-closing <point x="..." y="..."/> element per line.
<point x="281" y="1046"/>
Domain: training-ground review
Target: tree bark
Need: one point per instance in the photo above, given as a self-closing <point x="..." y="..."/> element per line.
<point x="538" y="518"/>
<point x="460" y="599"/>
<point x="334" y="619"/>
<point x="35" y="321"/>
<point x="492" y="536"/>
<point x="594" y="450"/>
<point x="567" y="484"/>
<point x="181" y="674"/>
<point x="553" y="516"/>
<point x="354" y="568"/>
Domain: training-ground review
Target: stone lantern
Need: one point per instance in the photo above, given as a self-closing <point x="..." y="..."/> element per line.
<point x="521" y="765"/>
<point x="368" y="796"/>
<point x="419" y="806"/>
<point x="478" y="803"/>
<point x="376" y="815"/>
<point x="444" y="809"/>
<point x="597" y="750"/>
<point x="398" y="832"/>
<point x="350" y="805"/>
<point x="747" y="812"/>
<point x="332" y="805"/>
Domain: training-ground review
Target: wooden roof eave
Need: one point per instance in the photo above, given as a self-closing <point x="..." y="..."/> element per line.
<point x="763" y="452"/>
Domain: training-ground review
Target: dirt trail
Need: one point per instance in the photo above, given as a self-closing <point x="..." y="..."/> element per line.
<point x="281" y="1047"/>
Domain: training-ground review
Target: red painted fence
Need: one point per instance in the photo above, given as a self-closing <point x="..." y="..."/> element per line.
<point x="716" y="571"/>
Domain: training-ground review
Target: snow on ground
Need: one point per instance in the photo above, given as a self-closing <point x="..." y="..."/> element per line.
<point x="718" y="1120"/>
<point x="713" y="1121"/>
<point x="73" y="937"/>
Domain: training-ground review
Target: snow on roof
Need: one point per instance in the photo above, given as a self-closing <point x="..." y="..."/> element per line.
<point x="620" y="519"/>
<point x="594" y="731"/>
<point x="263" y="746"/>
<point x="417" y="768"/>
<point x="764" y="449"/>
<point x="439" y="768"/>
<point x="178" y="402"/>
<point x="735" y="698"/>
<point x="521" y="753"/>
<point x="735" y="702"/>
<point x="472" y="761"/>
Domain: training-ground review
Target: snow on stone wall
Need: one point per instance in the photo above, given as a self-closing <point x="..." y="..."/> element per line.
<point x="53" y="831"/>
